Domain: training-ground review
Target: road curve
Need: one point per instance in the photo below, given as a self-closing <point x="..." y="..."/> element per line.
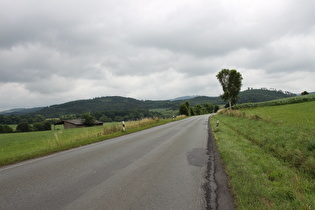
<point x="163" y="167"/>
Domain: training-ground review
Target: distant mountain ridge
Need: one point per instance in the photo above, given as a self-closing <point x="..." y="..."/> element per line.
<point x="183" y="98"/>
<point x="21" y="110"/>
<point x="119" y="103"/>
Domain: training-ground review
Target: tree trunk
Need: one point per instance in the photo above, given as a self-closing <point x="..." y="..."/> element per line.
<point x="230" y="104"/>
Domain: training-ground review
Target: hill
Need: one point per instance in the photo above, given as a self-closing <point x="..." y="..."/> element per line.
<point x="103" y="104"/>
<point x="21" y="111"/>
<point x="183" y="98"/>
<point x="263" y="94"/>
<point x="118" y="103"/>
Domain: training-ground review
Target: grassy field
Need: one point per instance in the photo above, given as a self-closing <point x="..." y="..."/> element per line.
<point x="269" y="153"/>
<point x="165" y="111"/>
<point x="290" y="100"/>
<point x="15" y="147"/>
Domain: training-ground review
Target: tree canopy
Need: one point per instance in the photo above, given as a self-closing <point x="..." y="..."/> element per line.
<point x="304" y="93"/>
<point x="231" y="81"/>
<point x="89" y="120"/>
<point x="188" y="110"/>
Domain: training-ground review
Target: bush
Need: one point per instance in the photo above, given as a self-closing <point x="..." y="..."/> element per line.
<point x="38" y="126"/>
<point x="24" y="127"/>
<point x="304" y="93"/>
<point x="88" y="119"/>
<point x="5" y="129"/>
<point x="47" y="125"/>
<point x="104" y="118"/>
<point x="42" y="126"/>
<point x="119" y="119"/>
<point x="216" y="108"/>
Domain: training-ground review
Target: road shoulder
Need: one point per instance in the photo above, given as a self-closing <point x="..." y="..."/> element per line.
<point x="218" y="193"/>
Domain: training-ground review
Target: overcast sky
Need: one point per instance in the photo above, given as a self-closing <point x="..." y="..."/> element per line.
<point x="55" y="51"/>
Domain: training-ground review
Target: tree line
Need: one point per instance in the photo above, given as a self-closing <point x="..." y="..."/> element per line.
<point x="24" y="126"/>
<point x="117" y="116"/>
<point x="188" y="110"/>
<point x="15" y="119"/>
<point x="27" y="123"/>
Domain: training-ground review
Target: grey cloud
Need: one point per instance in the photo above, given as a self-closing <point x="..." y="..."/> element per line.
<point x="287" y="54"/>
<point x="213" y="32"/>
<point x="171" y="48"/>
<point x="221" y="31"/>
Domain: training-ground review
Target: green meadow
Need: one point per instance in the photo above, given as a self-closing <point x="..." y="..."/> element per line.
<point x="165" y="111"/>
<point x="269" y="154"/>
<point x="15" y="147"/>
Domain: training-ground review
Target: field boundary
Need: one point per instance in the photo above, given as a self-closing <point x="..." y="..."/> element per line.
<point x="284" y="101"/>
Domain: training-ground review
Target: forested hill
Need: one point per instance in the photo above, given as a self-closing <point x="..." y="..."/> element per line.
<point x="101" y="104"/>
<point x="117" y="103"/>
<point x="263" y="94"/>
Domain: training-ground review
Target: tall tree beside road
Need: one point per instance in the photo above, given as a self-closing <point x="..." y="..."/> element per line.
<point x="231" y="81"/>
<point x="184" y="108"/>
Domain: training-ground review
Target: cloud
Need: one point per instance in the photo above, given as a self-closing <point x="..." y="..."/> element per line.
<point x="291" y="53"/>
<point x="55" y="51"/>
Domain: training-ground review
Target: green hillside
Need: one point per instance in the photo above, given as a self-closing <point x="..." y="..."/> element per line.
<point x="260" y="95"/>
<point x="118" y="103"/>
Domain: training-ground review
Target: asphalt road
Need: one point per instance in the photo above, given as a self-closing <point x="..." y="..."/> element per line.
<point x="160" y="168"/>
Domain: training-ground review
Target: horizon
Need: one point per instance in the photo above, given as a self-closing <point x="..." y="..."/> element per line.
<point x="91" y="98"/>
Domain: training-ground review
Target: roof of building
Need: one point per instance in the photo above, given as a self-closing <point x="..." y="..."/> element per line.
<point x="78" y="122"/>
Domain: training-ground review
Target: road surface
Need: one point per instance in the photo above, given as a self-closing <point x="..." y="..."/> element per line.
<point x="160" y="168"/>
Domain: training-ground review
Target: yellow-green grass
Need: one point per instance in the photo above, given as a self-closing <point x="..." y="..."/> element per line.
<point x="15" y="147"/>
<point x="269" y="155"/>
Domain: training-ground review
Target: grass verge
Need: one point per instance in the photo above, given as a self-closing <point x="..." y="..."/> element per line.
<point x="269" y="155"/>
<point x="16" y="147"/>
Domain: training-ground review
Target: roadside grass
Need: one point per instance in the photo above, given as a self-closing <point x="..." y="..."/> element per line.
<point x="16" y="147"/>
<point x="269" y="155"/>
